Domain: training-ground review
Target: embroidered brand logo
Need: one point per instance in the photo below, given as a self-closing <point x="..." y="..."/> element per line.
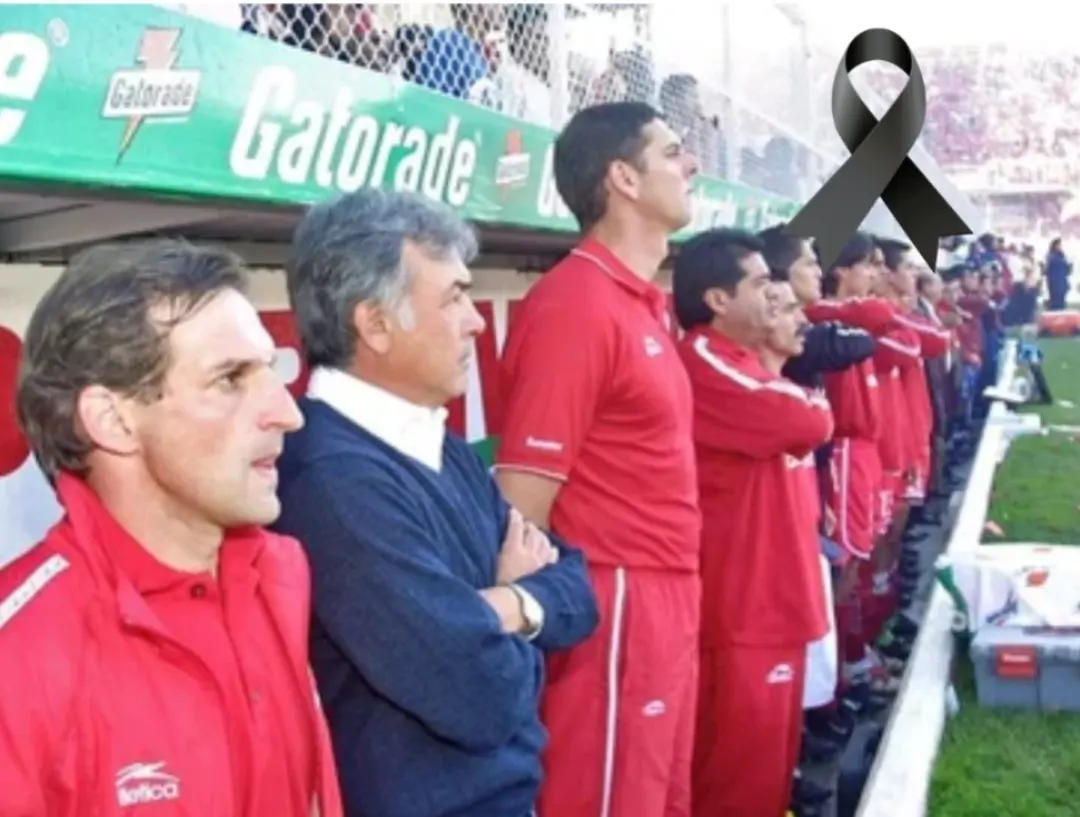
<point x="653" y="346"/>
<point x="143" y="783"/>
<point x="543" y="445"/>
<point x="780" y="674"/>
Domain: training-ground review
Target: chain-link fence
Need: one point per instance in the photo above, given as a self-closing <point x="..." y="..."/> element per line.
<point x="748" y="112"/>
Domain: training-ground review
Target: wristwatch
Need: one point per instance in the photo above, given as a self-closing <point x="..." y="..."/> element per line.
<point x="531" y="611"/>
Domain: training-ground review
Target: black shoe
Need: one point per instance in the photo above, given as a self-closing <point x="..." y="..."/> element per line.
<point x="834" y="724"/>
<point x="863" y="702"/>
<point x="931" y="518"/>
<point x="914" y="537"/>
<point x="808" y="793"/>
<point x="903" y="627"/>
<point x="894" y="648"/>
<point x="818" y="749"/>
<point x="910" y="559"/>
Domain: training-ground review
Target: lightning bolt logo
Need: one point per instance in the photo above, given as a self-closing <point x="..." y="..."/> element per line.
<point x="157" y="51"/>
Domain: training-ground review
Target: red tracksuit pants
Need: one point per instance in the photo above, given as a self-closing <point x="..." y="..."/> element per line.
<point x="749" y="730"/>
<point x="620" y="707"/>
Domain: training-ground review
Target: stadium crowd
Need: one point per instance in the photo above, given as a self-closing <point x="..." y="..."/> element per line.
<point x="630" y="616"/>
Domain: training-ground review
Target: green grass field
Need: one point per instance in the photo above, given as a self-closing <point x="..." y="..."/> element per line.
<point x="996" y="763"/>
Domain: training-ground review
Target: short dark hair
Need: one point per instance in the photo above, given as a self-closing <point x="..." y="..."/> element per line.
<point x="710" y="260"/>
<point x="858" y="250"/>
<point x="95" y="326"/>
<point x="893" y="251"/>
<point x="594" y="138"/>
<point x="782" y="249"/>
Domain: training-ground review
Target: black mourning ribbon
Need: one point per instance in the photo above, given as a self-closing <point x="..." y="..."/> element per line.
<point x="879" y="164"/>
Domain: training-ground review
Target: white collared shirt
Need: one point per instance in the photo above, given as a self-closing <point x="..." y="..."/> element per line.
<point x="415" y="431"/>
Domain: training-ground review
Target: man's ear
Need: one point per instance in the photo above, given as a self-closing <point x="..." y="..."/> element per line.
<point x="108" y="420"/>
<point x="717" y="300"/>
<point x="622" y="178"/>
<point x="374" y="326"/>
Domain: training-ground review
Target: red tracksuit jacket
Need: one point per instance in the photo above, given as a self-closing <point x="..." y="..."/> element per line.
<point x="753" y="433"/>
<point x="102" y="714"/>
<point x="933" y="342"/>
<point x="853" y="392"/>
<point x="897" y="351"/>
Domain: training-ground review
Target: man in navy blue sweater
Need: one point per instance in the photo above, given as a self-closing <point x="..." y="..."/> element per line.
<point x="434" y="601"/>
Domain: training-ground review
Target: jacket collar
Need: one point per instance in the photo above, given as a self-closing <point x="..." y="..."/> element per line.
<point x="725" y="345"/>
<point x="130" y="568"/>
<point x="412" y="430"/>
<point x="601" y="257"/>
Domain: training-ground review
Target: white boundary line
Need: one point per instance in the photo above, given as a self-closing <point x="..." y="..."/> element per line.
<point x="899" y="781"/>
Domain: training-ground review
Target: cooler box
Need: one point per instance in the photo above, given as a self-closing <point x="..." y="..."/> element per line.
<point x="1060" y="323"/>
<point x="1027" y="668"/>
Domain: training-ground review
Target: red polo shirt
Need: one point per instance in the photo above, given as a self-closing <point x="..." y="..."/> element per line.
<point x="755" y="435"/>
<point x="596" y="398"/>
<point x="220" y="621"/>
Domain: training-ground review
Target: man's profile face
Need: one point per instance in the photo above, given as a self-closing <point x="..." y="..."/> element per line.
<point x="212" y="440"/>
<point x="787" y="335"/>
<point x="432" y="349"/>
<point x="932" y="288"/>
<point x="665" y="185"/>
<point x="751" y="312"/>
<point x="805" y="275"/>
<point x="904" y="276"/>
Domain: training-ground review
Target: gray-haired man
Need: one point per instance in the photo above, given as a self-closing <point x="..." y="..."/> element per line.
<point x="433" y="599"/>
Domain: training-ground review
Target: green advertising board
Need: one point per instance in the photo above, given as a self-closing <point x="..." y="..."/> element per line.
<point x="150" y="101"/>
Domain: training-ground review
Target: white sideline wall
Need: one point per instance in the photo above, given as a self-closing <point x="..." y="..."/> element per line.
<point x="899" y="782"/>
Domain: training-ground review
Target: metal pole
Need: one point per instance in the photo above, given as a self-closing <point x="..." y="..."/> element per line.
<point x="558" y="64"/>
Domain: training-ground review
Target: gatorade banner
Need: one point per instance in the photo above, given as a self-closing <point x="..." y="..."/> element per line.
<point x="159" y="103"/>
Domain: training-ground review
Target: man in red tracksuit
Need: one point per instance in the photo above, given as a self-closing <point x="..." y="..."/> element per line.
<point x="754" y="433"/>
<point x="855" y="472"/>
<point x="901" y="281"/>
<point x="597" y="444"/>
<point x="155" y="642"/>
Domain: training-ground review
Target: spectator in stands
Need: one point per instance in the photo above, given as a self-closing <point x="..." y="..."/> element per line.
<point x="520" y="84"/>
<point x="779" y="159"/>
<point x="407" y="48"/>
<point x="433" y="600"/>
<point x="457" y="59"/>
<point x="754" y="433"/>
<point x="1021" y="310"/>
<point x="597" y="446"/>
<point x="680" y="102"/>
<point x="167" y="629"/>
<point x="629" y="77"/>
<point x="1058" y="272"/>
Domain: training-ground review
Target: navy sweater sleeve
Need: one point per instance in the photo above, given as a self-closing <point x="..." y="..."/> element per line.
<point x="829" y="347"/>
<point x="421" y="636"/>
<point x="562" y="589"/>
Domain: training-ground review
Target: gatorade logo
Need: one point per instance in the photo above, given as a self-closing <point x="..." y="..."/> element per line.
<point x="512" y="169"/>
<point x="302" y="141"/>
<point x="24" y="61"/>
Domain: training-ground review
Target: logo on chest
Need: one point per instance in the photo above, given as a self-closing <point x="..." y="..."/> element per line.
<point x="653" y="347"/>
<point x="142" y="783"/>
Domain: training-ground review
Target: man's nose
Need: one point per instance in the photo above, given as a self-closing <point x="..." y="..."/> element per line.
<point x="281" y="409"/>
<point x="474" y="322"/>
